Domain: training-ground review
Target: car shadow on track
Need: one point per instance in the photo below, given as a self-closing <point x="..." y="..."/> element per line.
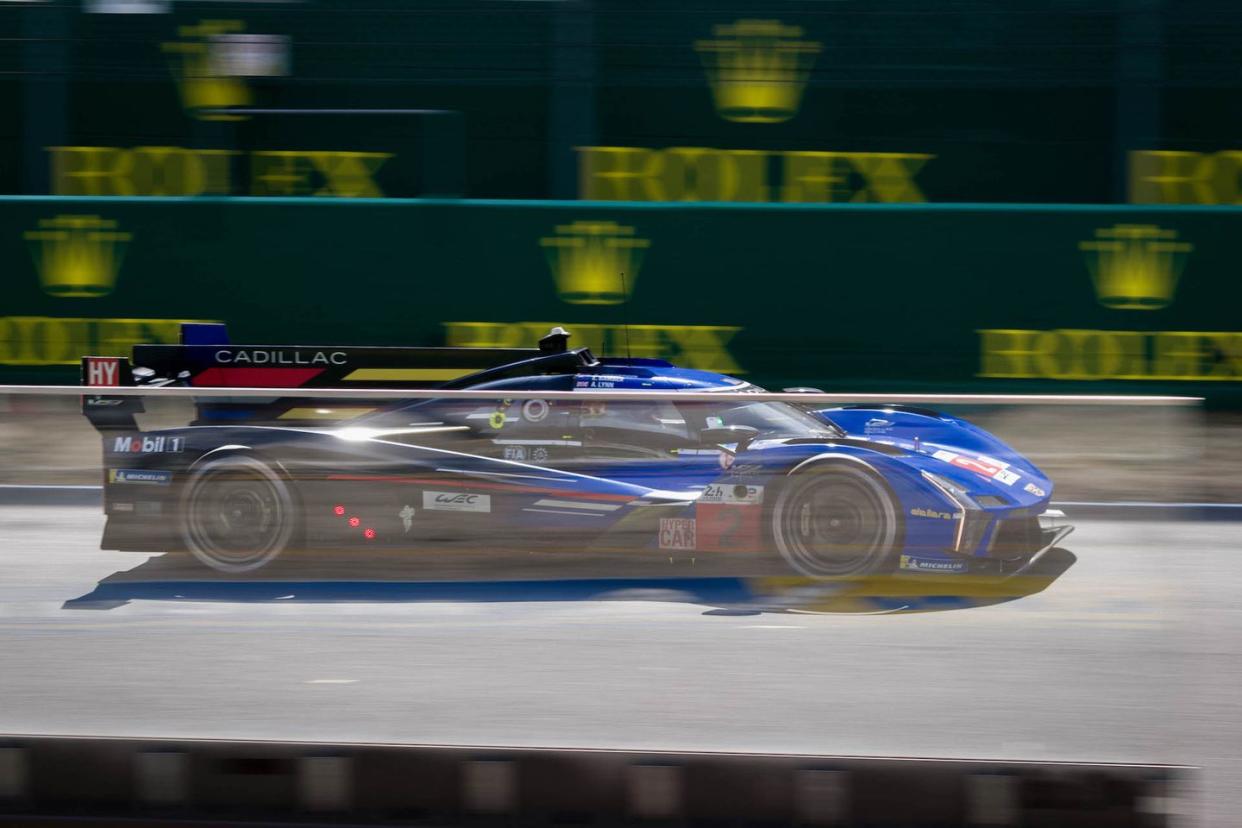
<point x="736" y="588"/>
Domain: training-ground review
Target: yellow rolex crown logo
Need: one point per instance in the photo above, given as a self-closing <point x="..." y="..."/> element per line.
<point x="1135" y="266"/>
<point x="757" y="69"/>
<point x="594" y="262"/>
<point x="77" y="256"/>
<point x="203" y="90"/>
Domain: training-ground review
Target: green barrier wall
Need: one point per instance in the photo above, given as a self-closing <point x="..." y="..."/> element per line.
<point x="701" y="100"/>
<point x="927" y="297"/>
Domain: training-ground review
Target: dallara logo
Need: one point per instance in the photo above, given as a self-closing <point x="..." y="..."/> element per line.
<point x="594" y="262"/>
<point x="77" y="256"/>
<point x="203" y="89"/>
<point x="1135" y="266"/>
<point x="757" y="69"/>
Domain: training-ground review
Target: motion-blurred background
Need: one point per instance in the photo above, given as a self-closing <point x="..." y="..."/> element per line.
<point x="926" y="196"/>
<point x="793" y="192"/>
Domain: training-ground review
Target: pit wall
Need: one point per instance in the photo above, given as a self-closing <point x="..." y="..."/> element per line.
<point x="937" y="298"/>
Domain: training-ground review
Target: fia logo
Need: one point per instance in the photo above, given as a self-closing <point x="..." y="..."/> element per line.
<point x="594" y="262"/>
<point x="757" y="69"/>
<point x="77" y="256"/>
<point x="1135" y="266"/>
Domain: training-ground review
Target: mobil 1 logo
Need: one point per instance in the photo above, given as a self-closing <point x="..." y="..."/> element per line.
<point x="145" y="444"/>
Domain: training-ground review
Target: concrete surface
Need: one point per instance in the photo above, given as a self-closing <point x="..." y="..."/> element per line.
<point x="1130" y="655"/>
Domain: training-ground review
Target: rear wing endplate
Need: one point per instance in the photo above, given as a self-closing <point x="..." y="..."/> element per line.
<point x="108" y="412"/>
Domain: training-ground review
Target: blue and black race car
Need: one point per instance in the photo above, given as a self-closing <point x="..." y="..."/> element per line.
<point x="826" y="492"/>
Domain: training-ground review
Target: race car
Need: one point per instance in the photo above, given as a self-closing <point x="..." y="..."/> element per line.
<point x="692" y="472"/>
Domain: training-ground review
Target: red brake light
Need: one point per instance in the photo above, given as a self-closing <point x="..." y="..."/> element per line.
<point x="353" y="521"/>
<point x="338" y="510"/>
<point x="369" y="534"/>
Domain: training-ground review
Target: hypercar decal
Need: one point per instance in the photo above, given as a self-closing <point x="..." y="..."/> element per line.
<point x="677" y="533"/>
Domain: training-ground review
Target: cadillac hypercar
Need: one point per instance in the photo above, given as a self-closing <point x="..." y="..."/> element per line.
<point x="702" y="465"/>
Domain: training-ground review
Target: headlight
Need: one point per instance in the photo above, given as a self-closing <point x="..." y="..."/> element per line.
<point x="972" y="521"/>
<point x="955" y="493"/>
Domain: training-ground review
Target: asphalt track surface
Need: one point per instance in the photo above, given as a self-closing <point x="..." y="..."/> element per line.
<point x="1131" y="654"/>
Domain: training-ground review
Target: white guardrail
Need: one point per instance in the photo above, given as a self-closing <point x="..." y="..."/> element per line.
<point x="596" y="394"/>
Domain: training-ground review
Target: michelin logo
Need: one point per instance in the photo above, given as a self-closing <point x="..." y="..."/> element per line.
<point x="150" y="478"/>
<point x="931" y="564"/>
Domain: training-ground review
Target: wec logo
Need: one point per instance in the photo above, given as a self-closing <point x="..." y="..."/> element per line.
<point x="147" y="445"/>
<point x="462" y="499"/>
<point x="456" y="502"/>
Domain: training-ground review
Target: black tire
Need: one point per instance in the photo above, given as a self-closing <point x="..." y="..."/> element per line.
<point x="836" y="520"/>
<point x="237" y="514"/>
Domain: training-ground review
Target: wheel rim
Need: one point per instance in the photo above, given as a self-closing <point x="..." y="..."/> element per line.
<point x="237" y="518"/>
<point x="838" y="523"/>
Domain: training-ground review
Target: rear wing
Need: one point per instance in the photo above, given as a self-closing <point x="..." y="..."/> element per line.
<point x="316" y="366"/>
<point x="206" y="359"/>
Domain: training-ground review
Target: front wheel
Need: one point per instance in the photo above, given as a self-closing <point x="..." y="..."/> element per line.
<point x="835" y="521"/>
<point x="237" y="514"/>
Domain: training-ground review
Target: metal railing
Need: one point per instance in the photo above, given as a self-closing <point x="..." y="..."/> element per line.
<point x="597" y="394"/>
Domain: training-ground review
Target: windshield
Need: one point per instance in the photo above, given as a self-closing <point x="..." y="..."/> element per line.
<point x="771" y="419"/>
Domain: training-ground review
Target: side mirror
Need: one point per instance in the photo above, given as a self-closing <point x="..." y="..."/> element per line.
<point x="740" y="434"/>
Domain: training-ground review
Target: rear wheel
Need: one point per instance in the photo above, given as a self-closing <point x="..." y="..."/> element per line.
<point x="237" y="514"/>
<point x="836" y="520"/>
